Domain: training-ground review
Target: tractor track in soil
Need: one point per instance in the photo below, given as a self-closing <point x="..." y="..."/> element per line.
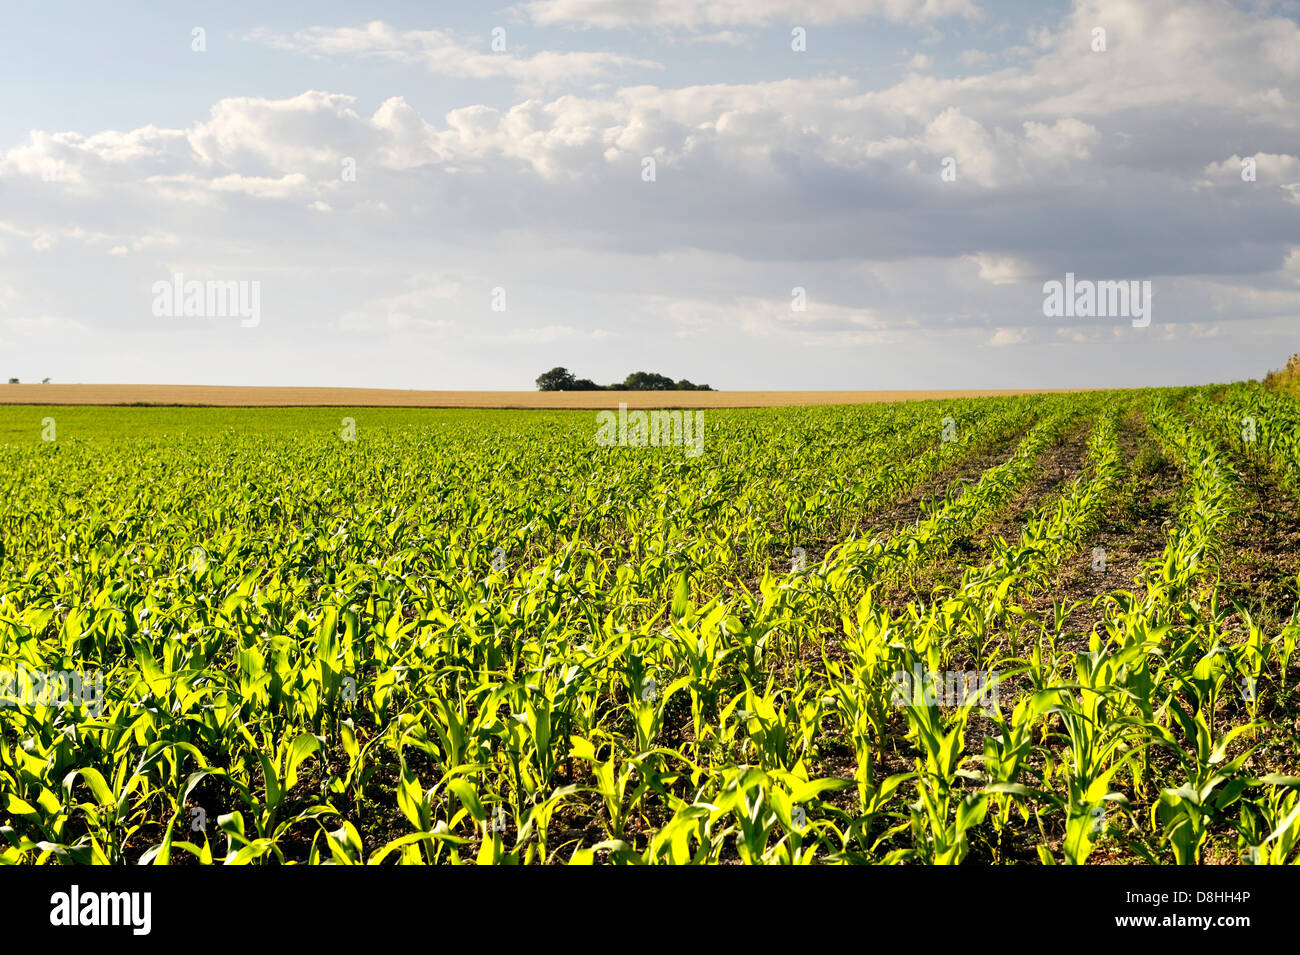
<point x="1131" y="532"/>
<point x="1054" y="469"/>
<point x="897" y="515"/>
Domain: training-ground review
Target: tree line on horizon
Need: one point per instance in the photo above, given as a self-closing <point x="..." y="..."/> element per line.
<point x="561" y="379"/>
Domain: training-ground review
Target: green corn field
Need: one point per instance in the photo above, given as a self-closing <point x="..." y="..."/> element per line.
<point x="1048" y="629"/>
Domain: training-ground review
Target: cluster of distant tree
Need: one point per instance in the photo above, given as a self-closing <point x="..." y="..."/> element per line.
<point x="561" y="379"/>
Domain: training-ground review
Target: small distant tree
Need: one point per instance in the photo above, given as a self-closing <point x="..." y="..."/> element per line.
<point x="557" y="379"/>
<point x="685" y="385"/>
<point x="647" y="381"/>
<point x="585" y="384"/>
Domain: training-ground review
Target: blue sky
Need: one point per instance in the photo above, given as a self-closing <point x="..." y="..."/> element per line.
<point x="127" y="157"/>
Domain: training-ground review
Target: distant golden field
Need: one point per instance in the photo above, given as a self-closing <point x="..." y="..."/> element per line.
<point x="253" y="397"/>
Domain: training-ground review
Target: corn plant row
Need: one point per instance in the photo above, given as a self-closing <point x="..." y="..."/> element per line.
<point x="1183" y="694"/>
<point x="1261" y="424"/>
<point x="921" y="642"/>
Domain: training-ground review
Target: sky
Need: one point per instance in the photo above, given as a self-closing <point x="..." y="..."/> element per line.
<point x="756" y="194"/>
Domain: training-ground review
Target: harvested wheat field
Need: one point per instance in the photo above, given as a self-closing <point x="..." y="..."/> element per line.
<point x="257" y="397"/>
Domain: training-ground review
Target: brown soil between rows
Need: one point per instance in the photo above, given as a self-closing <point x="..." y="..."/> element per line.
<point x="1260" y="556"/>
<point x="894" y="516"/>
<point x="953" y="481"/>
<point x="1132" y="531"/>
<point x="1054" y="469"/>
<point x="1257" y="567"/>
